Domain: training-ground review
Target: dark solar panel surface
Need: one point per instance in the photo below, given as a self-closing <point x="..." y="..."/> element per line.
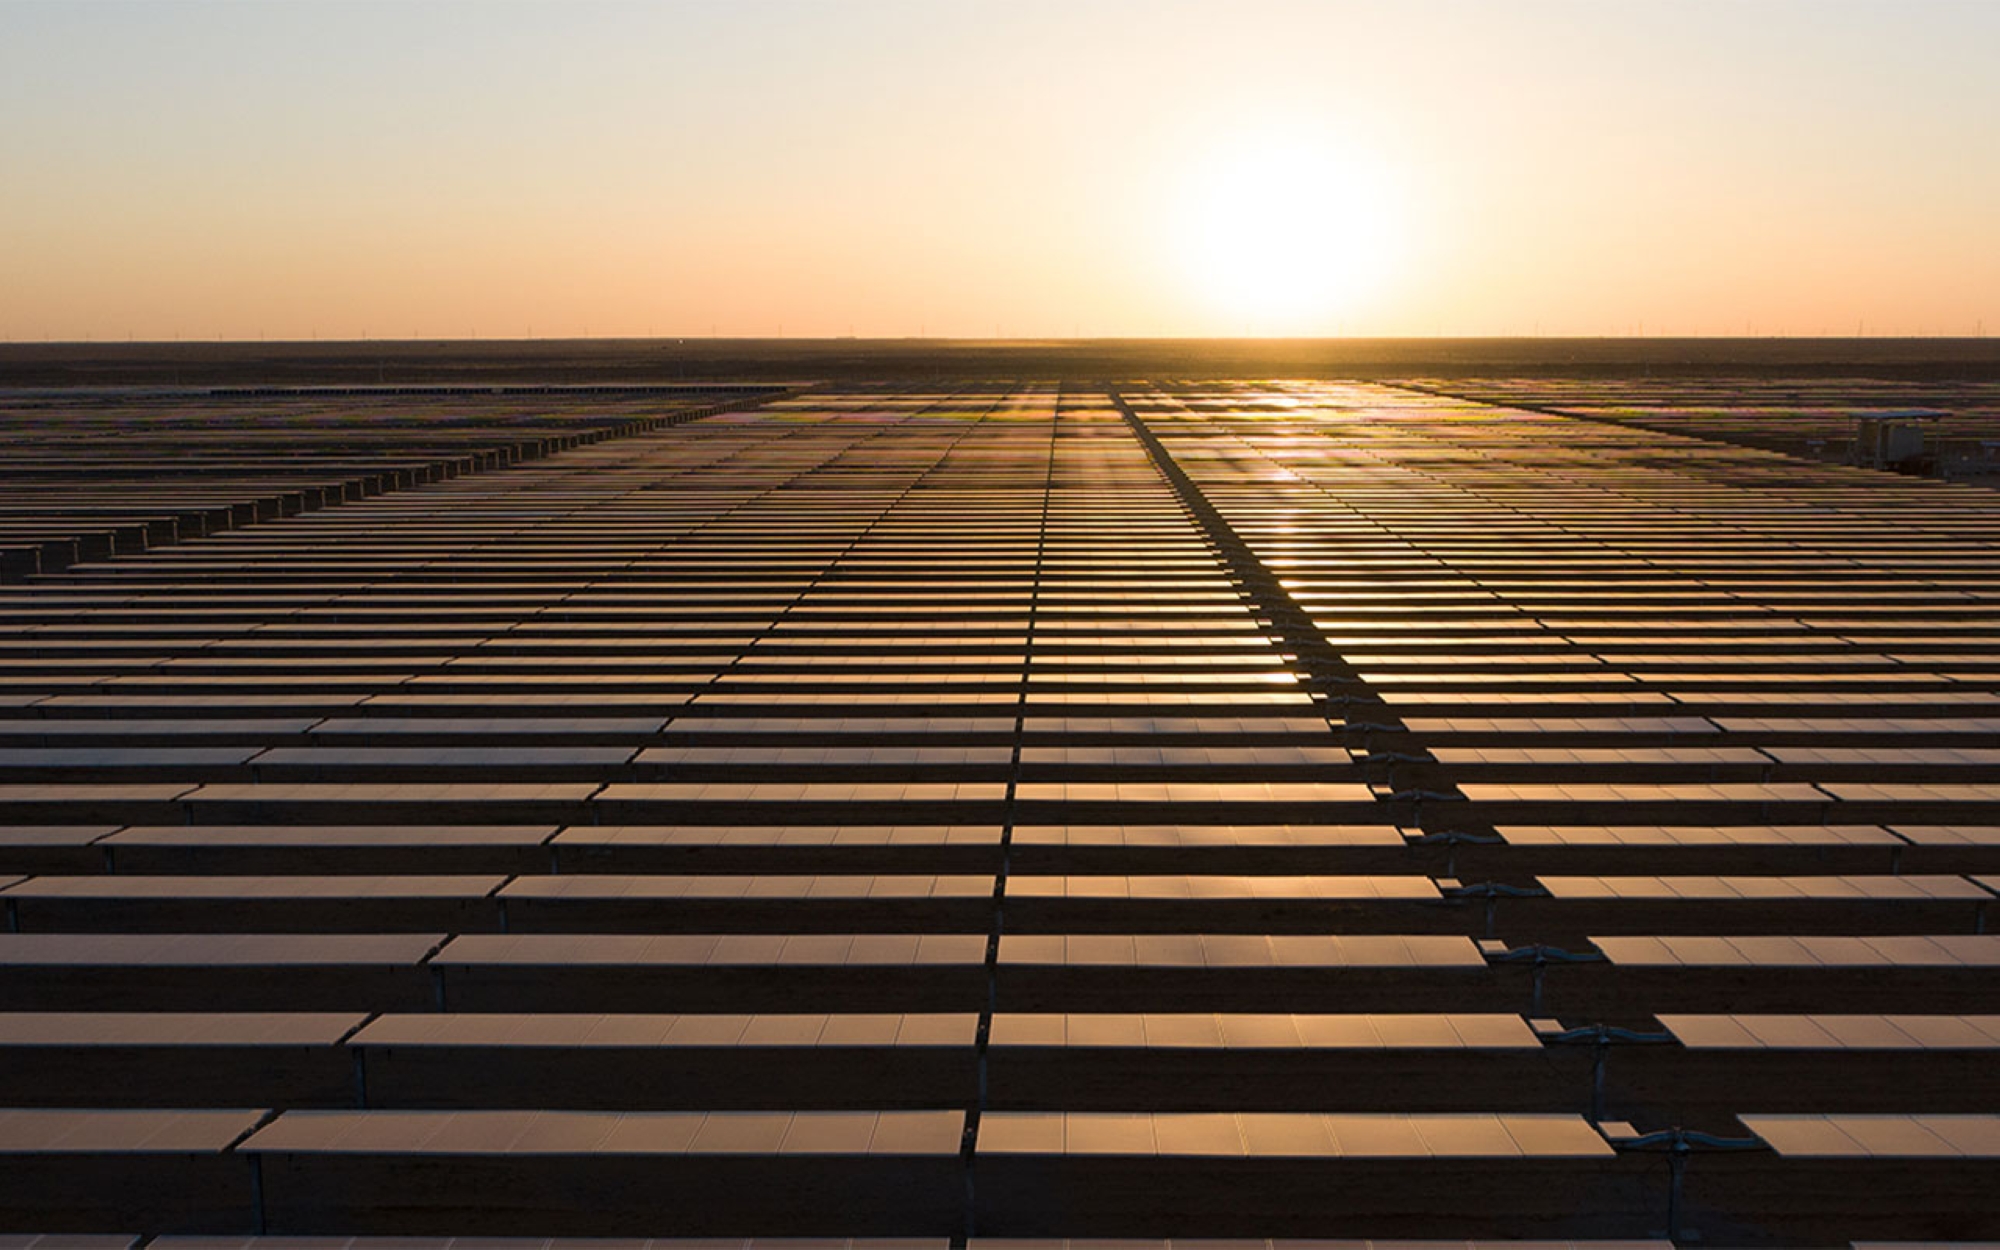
<point x="1261" y="811"/>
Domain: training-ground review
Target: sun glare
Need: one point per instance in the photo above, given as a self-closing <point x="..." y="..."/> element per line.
<point x="1285" y="236"/>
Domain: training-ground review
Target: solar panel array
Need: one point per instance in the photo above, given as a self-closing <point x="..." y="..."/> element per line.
<point x="89" y="474"/>
<point x="1224" y="811"/>
<point x="1814" y="418"/>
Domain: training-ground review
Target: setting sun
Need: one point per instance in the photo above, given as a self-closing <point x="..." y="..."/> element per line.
<point x="1285" y="235"/>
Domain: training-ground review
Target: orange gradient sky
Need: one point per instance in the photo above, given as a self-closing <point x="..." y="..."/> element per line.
<point x="471" y="169"/>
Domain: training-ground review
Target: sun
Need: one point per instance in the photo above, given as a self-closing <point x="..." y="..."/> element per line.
<point x="1286" y="235"/>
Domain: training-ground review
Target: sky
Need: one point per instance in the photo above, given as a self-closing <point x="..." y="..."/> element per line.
<point x="293" y="169"/>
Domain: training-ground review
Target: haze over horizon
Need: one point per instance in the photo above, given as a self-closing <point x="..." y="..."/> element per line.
<point x="889" y="169"/>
